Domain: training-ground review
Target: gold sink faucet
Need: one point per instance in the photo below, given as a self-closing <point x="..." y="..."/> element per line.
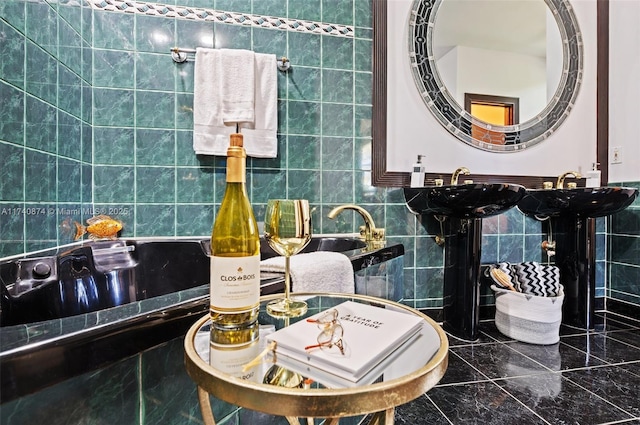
<point x="461" y="170"/>
<point x="561" y="177"/>
<point x="369" y="232"/>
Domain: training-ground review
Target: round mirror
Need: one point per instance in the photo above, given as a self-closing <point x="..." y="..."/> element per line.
<point x="500" y="76"/>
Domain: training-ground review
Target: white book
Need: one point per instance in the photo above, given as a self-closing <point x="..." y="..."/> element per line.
<point x="371" y="334"/>
<point x="378" y="373"/>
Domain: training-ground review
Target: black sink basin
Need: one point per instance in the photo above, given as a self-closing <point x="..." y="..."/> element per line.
<point x="581" y="202"/>
<point x="464" y="207"/>
<point x="465" y="200"/>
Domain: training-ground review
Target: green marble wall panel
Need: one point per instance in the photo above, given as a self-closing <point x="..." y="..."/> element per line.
<point x="113" y="31"/>
<point x="12" y="51"/>
<point x="305" y="9"/>
<point x="107" y="396"/>
<point x="42" y="25"/>
<point x="12" y="123"/>
<point x="114" y="68"/>
<point x="11" y="172"/>
<point x="70" y="42"/>
<point x="154" y="34"/>
<point x="113" y="146"/>
<point x="155" y="109"/>
<point x="13" y="11"/>
<point x="337" y="11"/>
<point x="623" y="252"/>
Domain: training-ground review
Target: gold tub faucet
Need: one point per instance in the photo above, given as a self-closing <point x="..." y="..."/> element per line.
<point x="456" y="174"/>
<point x="369" y="232"/>
<point x="561" y="177"/>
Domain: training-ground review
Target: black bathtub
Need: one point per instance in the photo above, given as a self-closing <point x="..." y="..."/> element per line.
<point x="77" y="308"/>
<point x="99" y="275"/>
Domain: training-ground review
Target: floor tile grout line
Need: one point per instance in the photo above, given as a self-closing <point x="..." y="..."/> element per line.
<point x="496" y="383"/>
<point x="434" y="404"/>
<point x="600" y="358"/>
<point x="600" y="397"/>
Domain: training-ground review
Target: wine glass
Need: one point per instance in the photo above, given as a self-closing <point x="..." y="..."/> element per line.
<point x="287" y="229"/>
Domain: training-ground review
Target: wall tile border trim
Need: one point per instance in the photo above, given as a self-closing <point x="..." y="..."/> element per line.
<point x="235" y="18"/>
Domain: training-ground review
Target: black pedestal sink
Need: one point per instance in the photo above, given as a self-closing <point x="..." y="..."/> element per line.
<point x="571" y="214"/>
<point x="461" y="209"/>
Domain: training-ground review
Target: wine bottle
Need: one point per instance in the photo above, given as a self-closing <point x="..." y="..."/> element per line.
<point x="235" y="250"/>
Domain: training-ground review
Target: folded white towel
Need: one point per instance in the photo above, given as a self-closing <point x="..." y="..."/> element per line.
<point x="260" y="136"/>
<point x="235" y="86"/>
<point x="210" y="135"/>
<point x="238" y="84"/>
<point x="320" y="271"/>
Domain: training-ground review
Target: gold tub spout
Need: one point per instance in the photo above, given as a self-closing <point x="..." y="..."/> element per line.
<point x="456" y="174"/>
<point x="561" y="177"/>
<point x="369" y="232"/>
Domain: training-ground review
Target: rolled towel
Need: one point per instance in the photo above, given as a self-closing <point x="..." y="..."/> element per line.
<point x="320" y="271"/>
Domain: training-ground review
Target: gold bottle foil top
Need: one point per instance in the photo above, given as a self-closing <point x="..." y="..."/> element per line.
<point x="236" y="159"/>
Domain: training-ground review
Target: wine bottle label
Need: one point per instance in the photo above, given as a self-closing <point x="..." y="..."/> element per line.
<point x="232" y="360"/>
<point x="235" y="283"/>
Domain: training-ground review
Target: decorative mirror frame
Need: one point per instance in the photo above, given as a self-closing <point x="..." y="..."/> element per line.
<point x="452" y="116"/>
<point x="382" y="177"/>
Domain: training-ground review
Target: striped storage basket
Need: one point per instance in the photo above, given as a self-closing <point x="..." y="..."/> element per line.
<point x="532" y="311"/>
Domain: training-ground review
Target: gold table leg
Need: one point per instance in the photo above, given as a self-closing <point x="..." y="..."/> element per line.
<point x="205" y="407"/>
<point x="385" y="417"/>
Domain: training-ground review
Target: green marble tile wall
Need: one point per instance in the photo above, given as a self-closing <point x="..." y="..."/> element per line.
<point x="99" y="120"/>
<point x="45" y="122"/>
<point x="624" y="252"/>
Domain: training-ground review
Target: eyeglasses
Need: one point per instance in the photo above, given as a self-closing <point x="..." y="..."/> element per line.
<point x="331" y="332"/>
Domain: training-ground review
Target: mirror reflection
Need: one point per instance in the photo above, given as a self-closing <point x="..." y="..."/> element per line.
<point x="524" y="76"/>
<point x="501" y="61"/>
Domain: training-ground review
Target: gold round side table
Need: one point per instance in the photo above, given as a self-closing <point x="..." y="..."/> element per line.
<point x="413" y="373"/>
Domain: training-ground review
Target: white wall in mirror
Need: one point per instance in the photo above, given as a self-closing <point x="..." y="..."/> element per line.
<point x="412" y="129"/>
<point x="499" y="48"/>
<point x="624" y="89"/>
<point x="472" y="70"/>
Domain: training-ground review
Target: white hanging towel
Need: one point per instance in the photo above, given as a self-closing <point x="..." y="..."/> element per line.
<point x="238" y="79"/>
<point x="235" y="86"/>
<point x="210" y="134"/>
<point x="260" y="136"/>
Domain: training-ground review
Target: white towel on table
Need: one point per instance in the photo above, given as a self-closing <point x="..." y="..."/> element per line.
<point x="320" y="271"/>
<point x="226" y="83"/>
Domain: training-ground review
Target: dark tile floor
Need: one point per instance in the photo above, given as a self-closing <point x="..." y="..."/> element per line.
<point x="587" y="378"/>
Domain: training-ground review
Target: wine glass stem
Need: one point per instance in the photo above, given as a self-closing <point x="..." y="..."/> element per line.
<point x="287" y="279"/>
